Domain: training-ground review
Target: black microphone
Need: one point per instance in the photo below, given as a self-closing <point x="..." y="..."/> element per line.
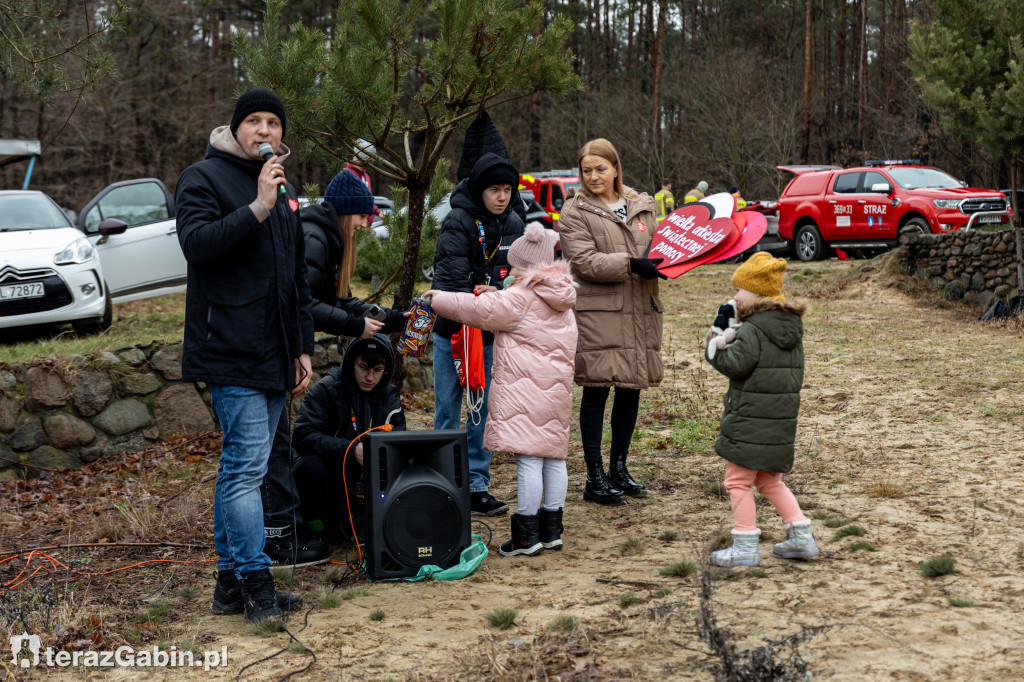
<point x="266" y="151"/>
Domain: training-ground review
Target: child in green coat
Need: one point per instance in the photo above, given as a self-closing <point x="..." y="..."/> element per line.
<point x="763" y="357"/>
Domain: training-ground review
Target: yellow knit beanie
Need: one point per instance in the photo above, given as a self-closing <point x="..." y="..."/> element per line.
<point x="761" y="274"/>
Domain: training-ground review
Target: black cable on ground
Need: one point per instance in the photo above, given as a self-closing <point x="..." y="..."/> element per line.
<point x="490" y="531"/>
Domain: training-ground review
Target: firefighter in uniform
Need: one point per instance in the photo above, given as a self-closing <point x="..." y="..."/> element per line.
<point x="697" y="193"/>
<point x="664" y="200"/>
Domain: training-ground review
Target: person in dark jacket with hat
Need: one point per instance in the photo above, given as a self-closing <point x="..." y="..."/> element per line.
<point x="472" y="255"/>
<point x="248" y="327"/>
<point x="329" y="230"/>
<point x="350" y="399"/>
<point x="330" y="235"/>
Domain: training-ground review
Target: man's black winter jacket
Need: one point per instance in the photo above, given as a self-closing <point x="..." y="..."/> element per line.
<point x="247" y="313"/>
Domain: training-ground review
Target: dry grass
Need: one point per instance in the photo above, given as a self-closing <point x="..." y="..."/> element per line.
<point x="885" y="489"/>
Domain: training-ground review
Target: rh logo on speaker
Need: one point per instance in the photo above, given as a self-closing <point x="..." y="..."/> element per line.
<point x="425" y="551"/>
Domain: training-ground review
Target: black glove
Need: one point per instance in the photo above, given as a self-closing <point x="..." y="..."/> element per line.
<point x="646" y="267"/>
<point x="726" y="314"/>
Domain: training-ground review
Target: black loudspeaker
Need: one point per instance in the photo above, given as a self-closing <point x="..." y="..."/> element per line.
<point x="417" y="501"/>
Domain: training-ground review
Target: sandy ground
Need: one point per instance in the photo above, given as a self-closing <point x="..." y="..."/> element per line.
<point x="910" y="428"/>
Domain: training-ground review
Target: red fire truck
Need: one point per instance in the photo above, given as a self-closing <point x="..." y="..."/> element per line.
<point x="824" y="207"/>
<point x="550" y="189"/>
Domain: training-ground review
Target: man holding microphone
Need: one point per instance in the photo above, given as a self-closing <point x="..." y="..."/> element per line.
<point x="248" y="327"/>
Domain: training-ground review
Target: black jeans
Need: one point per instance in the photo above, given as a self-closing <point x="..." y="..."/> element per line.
<point x="278" y="491"/>
<point x="625" y="407"/>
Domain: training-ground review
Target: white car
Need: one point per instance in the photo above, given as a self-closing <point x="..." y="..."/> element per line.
<point x="49" y="272"/>
<point x="144" y="259"/>
<point x="125" y="248"/>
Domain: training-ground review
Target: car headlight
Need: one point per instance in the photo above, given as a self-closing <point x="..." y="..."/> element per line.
<point x="78" y="251"/>
<point x="946" y="203"/>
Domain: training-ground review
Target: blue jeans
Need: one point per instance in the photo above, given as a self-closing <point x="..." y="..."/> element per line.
<point x="248" y="419"/>
<point x="448" y="410"/>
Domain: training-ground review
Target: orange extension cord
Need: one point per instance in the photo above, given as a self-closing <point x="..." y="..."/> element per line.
<point x="344" y="483"/>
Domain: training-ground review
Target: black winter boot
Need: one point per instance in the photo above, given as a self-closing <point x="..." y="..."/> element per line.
<point x="599" y="489"/>
<point x="525" y="539"/>
<point x="258" y="597"/>
<point x="283" y="550"/>
<point x="620" y="478"/>
<point x="227" y="596"/>
<point x="550" y="531"/>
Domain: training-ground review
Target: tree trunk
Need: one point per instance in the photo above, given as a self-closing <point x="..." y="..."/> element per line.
<point x="805" y="135"/>
<point x="410" y="262"/>
<point x="862" y="86"/>
<point x="659" y="58"/>
<point x="534" y="117"/>
<point x="1016" y="227"/>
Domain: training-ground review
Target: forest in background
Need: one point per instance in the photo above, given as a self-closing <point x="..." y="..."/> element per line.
<point x="719" y="90"/>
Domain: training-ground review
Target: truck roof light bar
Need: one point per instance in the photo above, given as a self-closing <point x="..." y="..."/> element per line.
<point x="554" y="173"/>
<point x="893" y="162"/>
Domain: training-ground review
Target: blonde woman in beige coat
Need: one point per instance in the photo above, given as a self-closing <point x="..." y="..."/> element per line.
<point x="606" y="229"/>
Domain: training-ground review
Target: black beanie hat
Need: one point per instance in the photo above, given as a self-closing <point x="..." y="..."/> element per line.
<point x="257" y="99"/>
<point x="489" y="170"/>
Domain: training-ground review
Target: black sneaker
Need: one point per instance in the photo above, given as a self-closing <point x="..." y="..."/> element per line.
<point x="482" y="504"/>
<point x="283" y="551"/>
<point x="259" y="600"/>
<point x="227" y="596"/>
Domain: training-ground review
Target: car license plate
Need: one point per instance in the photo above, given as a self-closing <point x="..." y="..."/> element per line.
<point x="989" y="219"/>
<point x="9" y="292"/>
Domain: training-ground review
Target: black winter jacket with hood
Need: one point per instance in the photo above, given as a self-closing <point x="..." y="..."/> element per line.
<point x="336" y="410"/>
<point x="247" y="313"/>
<point x="324" y="249"/>
<point x="459" y="263"/>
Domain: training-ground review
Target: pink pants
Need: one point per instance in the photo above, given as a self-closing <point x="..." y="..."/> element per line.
<point x="740" y="482"/>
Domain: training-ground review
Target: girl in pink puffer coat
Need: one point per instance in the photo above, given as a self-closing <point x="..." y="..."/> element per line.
<point x="530" y="400"/>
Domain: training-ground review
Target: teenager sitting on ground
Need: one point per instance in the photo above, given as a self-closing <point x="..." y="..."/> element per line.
<point x="349" y="400"/>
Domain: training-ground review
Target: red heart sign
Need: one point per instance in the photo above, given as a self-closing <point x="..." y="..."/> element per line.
<point x="687" y="233"/>
<point x="750" y="227"/>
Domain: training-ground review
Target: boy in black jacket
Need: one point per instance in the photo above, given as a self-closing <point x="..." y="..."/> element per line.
<point x="349" y="400"/>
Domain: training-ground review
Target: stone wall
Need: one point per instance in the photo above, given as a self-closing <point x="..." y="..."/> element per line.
<point x="977" y="267"/>
<point x="66" y="412"/>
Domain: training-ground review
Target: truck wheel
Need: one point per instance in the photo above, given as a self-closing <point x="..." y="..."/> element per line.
<point x="919" y="224"/>
<point x="808" y="243"/>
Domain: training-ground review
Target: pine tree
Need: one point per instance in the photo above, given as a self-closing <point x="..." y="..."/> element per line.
<point x="404" y="75"/>
<point x="968" y="61"/>
<point x="47" y="49"/>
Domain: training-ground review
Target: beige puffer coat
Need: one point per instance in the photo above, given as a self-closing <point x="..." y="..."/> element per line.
<point x="618" y="313"/>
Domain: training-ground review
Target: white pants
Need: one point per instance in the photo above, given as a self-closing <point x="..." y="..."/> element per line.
<point x="537" y="477"/>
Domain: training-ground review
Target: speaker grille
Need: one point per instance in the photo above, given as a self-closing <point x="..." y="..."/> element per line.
<point x="422" y="526"/>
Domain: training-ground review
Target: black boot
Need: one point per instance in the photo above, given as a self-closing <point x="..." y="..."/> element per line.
<point x="283" y="550"/>
<point x="259" y="598"/>
<point x="525" y="539"/>
<point x="227" y="596"/>
<point x="599" y="489"/>
<point x="550" y="531"/>
<point x="620" y="478"/>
